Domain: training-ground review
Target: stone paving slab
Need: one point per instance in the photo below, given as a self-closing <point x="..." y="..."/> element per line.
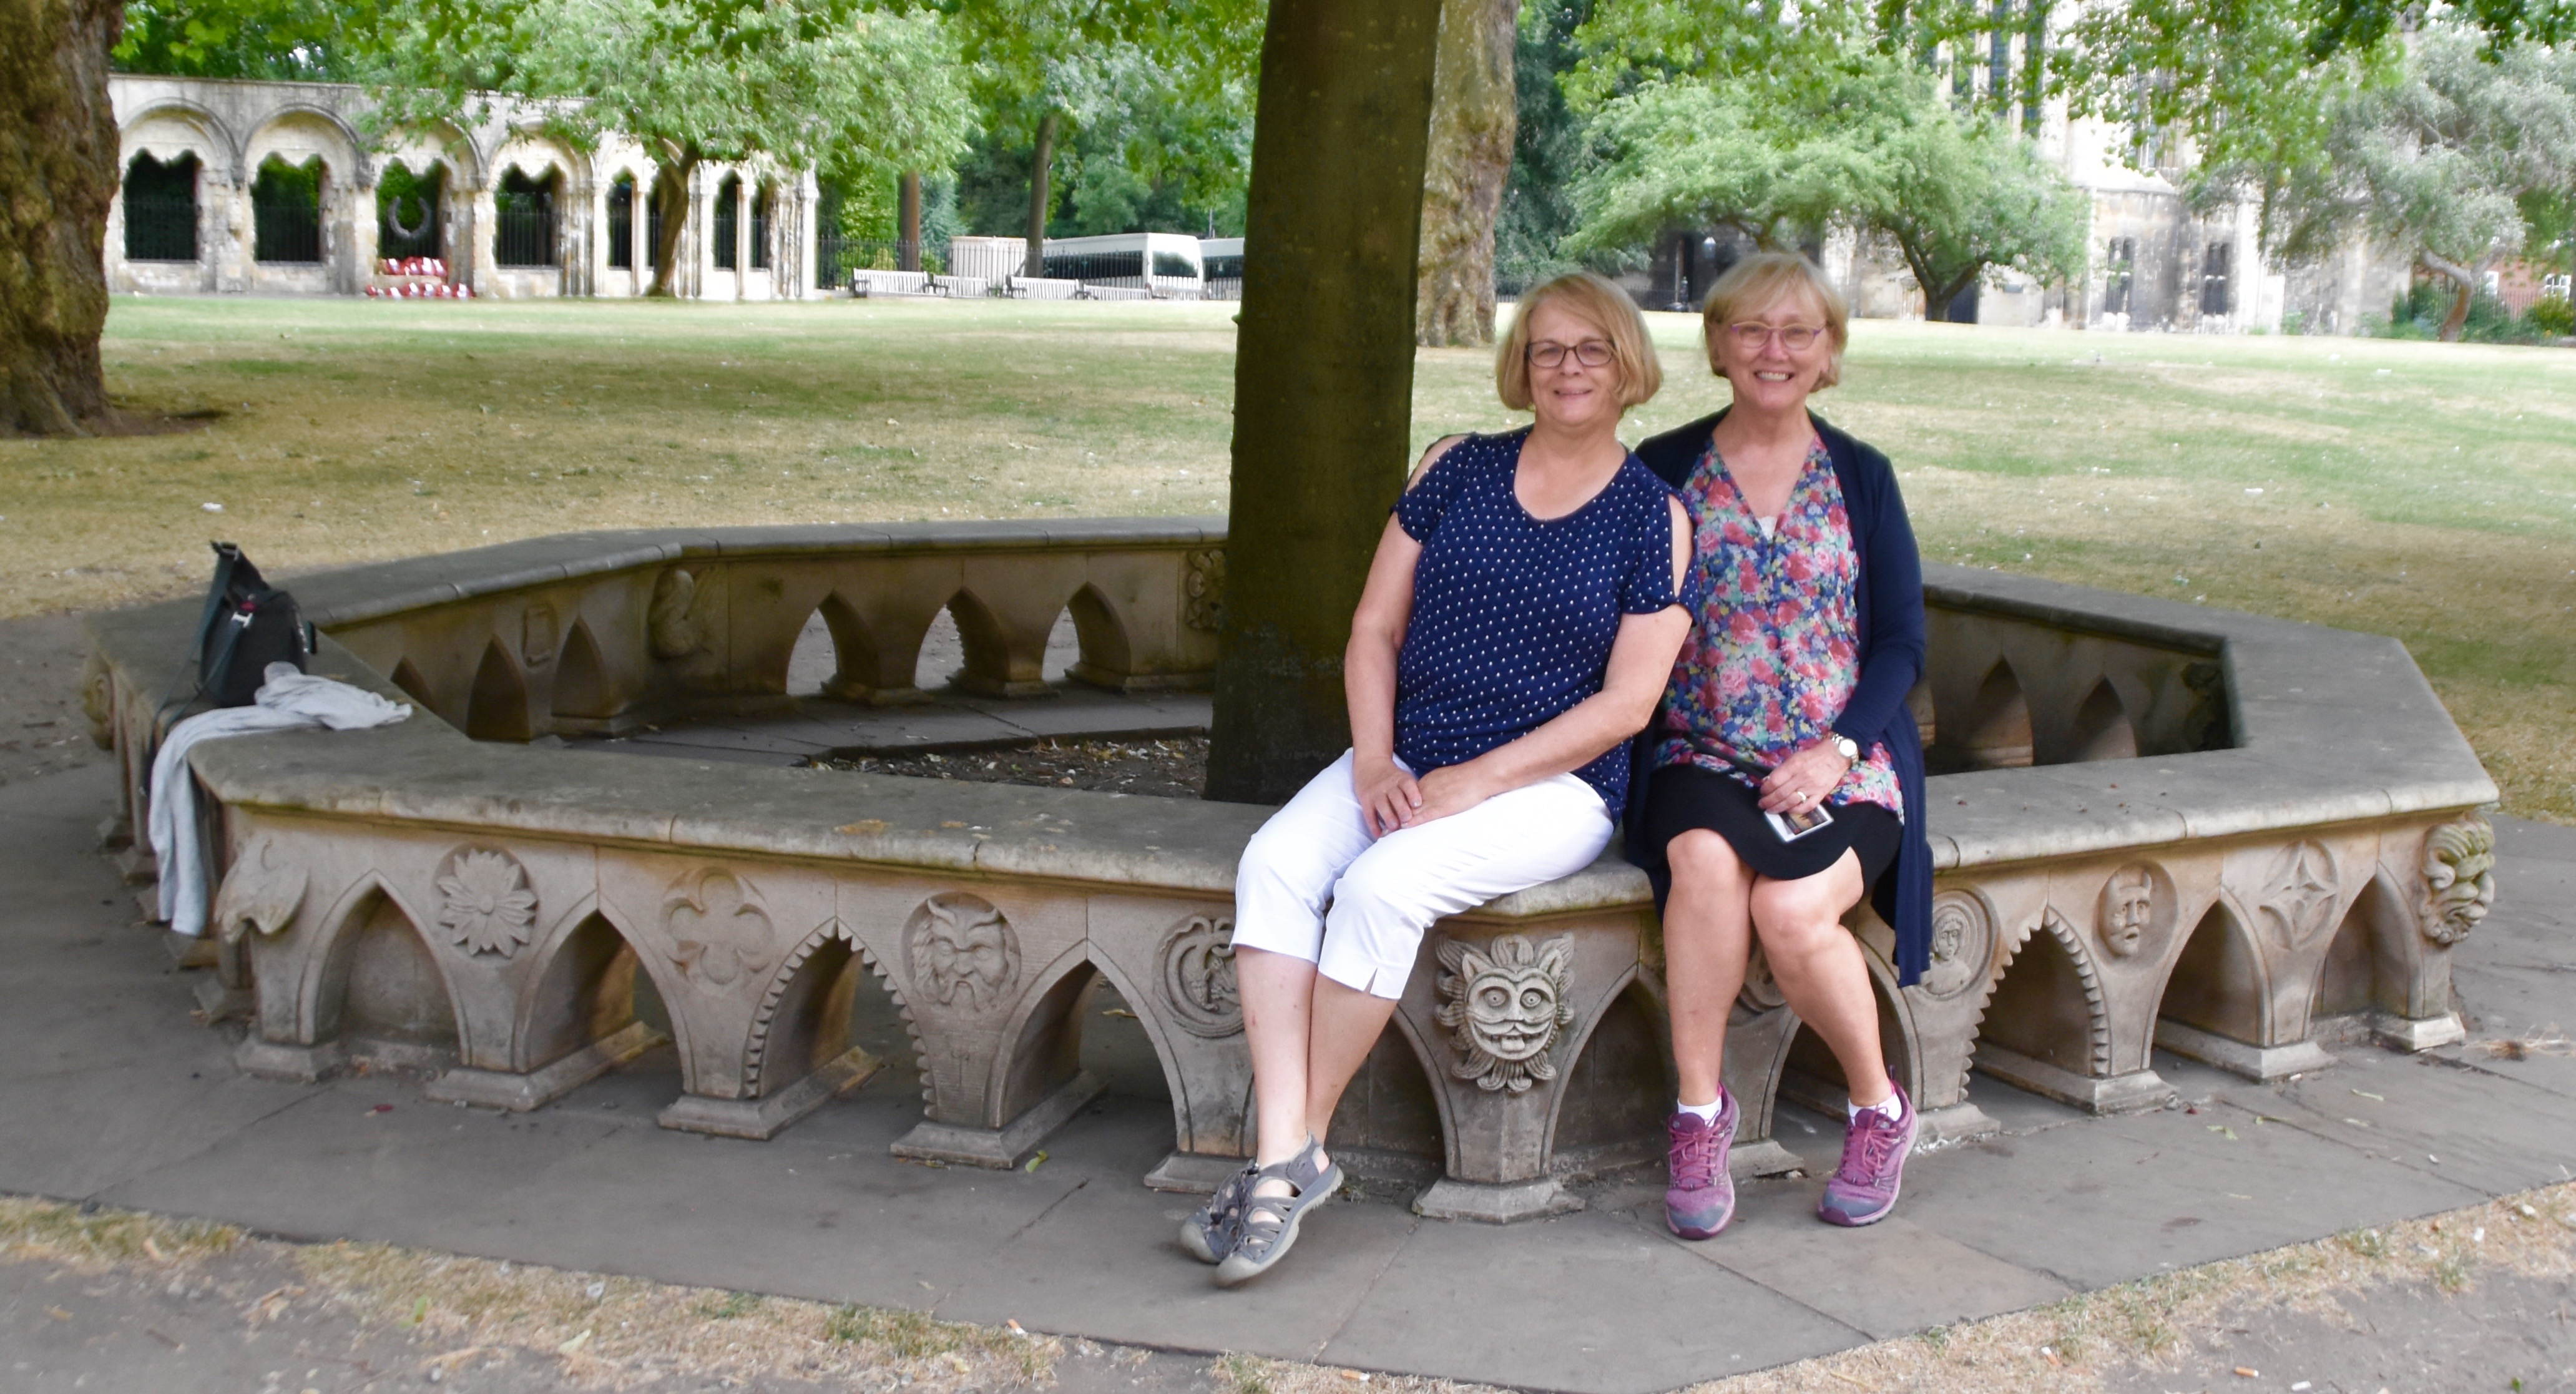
<point x="117" y="1096"/>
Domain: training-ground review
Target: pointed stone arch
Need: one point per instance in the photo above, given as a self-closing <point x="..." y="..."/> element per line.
<point x="1108" y="657"/>
<point x="407" y="676"/>
<point x="2047" y="1021"/>
<point x="496" y="709"/>
<point x="2102" y="729"/>
<point x="2220" y="983"/>
<point x="2370" y="963"/>
<point x="582" y="689"/>
<point x="1618" y="1087"/>
<point x="1995" y="733"/>
<point x="375" y="987"/>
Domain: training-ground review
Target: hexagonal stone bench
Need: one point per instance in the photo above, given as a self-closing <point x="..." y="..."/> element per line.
<point x="2154" y="824"/>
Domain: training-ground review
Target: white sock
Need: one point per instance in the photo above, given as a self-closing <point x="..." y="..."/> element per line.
<point x="1889" y="1108"/>
<point x="1707" y="1112"/>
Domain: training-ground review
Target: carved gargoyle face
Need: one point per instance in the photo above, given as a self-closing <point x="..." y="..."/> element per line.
<point x="1504" y="1005"/>
<point x="1512" y="1011"/>
<point x="2128" y="911"/>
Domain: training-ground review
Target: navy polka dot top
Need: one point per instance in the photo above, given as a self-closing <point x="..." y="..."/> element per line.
<point x="1513" y="617"/>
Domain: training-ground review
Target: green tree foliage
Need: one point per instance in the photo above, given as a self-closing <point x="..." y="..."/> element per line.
<point x="291" y="40"/>
<point x="1142" y="109"/>
<point x="1873" y="147"/>
<point x="2466" y="160"/>
<point x="1549" y="148"/>
<point x="857" y="92"/>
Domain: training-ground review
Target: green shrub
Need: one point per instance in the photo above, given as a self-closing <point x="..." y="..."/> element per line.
<point x="2551" y="318"/>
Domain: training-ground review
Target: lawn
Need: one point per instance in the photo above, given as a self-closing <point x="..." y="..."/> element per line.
<point x="2419" y="490"/>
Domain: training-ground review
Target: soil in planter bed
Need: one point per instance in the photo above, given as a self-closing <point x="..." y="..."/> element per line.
<point x="1170" y="768"/>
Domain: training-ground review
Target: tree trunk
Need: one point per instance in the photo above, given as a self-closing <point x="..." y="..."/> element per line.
<point x="671" y="196"/>
<point x="1475" y="113"/>
<point x="1323" y="375"/>
<point x="907" y="222"/>
<point x="2464" y="281"/>
<point x="58" y="166"/>
<point x="1041" y="201"/>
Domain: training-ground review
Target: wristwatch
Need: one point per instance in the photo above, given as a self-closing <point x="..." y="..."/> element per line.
<point x="1847" y="748"/>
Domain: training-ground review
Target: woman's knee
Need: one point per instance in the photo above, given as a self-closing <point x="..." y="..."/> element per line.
<point x="1705" y="863"/>
<point x="1794" y="918"/>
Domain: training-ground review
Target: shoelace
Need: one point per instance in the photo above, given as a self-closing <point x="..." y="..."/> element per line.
<point x="1867" y="1146"/>
<point x="1695" y="1168"/>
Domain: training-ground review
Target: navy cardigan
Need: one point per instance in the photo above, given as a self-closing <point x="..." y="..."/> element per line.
<point x="1889" y="589"/>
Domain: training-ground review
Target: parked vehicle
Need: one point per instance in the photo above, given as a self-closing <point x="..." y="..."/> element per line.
<point x="1165" y="264"/>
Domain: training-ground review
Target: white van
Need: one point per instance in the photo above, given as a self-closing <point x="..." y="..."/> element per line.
<point x="1163" y="264"/>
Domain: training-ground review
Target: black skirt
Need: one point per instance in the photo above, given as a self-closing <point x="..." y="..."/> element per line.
<point x="1685" y="798"/>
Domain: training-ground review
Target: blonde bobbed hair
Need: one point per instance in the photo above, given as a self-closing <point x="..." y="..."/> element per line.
<point x="1606" y="308"/>
<point x="1764" y="279"/>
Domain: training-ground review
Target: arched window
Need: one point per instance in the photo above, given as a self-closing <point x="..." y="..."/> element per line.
<point x="407" y="206"/>
<point x="526" y="209"/>
<point x="760" y="228"/>
<point x="286" y="211"/>
<point x="621" y="223"/>
<point x="161" y="209"/>
<point x="728" y="222"/>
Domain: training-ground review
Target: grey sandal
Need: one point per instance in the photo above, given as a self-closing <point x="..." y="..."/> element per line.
<point x="1268" y="1225"/>
<point x="1209" y="1235"/>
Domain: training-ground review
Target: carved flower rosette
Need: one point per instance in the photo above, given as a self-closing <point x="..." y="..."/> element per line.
<point x="485" y="904"/>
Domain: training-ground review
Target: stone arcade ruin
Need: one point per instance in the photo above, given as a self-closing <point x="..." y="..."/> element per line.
<point x="2236" y="838"/>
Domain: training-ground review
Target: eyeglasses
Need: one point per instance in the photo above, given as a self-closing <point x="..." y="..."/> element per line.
<point x="1591" y="353"/>
<point x="1796" y="338"/>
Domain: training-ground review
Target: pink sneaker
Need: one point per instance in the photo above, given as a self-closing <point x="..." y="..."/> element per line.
<point x="1863" y="1188"/>
<point x="1701" y="1197"/>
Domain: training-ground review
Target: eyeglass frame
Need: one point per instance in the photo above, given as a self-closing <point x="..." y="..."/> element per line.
<point x="1744" y="331"/>
<point x="1609" y="353"/>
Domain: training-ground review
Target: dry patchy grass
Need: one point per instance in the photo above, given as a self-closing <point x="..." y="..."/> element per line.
<point x="2068" y="1347"/>
<point x="2423" y="491"/>
<point x="93" y="1239"/>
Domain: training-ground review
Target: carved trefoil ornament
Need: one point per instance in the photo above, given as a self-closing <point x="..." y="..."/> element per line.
<point x="2298" y="901"/>
<point x="1203" y="590"/>
<point x="1199" y="985"/>
<point x="1963" y="944"/>
<point x="963" y="953"/>
<point x="2459" y="878"/>
<point x="485" y="903"/>
<point x="259" y="891"/>
<point x="1504" y="1005"/>
<point x="719" y="933"/>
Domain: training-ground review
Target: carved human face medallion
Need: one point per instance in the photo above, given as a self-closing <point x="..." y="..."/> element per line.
<point x="963" y="950"/>
<point x="2128" y="910"/>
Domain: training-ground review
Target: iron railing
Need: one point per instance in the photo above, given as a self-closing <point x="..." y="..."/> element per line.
<point x="728" y="227"/>
<point x="526" y="231"/>
<point x="285" y="227"/>
<point x="160" y="227"/>
<point x="621" y="225"/>
<point x="417" y="239"/>
<point x="850" y="254"/>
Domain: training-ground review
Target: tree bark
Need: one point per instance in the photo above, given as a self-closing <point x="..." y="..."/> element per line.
<point x="1041" y="201"/>
<point x="59" y="170"/>
<point x="1475" y="114"/>
<point x="1323" y="377"/>
<point x="2464" y="282"/>
<point x="671" y="196"/>
<point x="907" y="222"/>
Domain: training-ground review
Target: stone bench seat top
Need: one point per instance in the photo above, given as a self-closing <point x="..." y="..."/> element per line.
<point x="2332" y="727"/>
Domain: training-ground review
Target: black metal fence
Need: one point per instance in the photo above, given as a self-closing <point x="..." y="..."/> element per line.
<point x="728" y="231"/>
<point x="286" y="213"/>
<point x="760" y="230"/>
<point x="848" y="254"/>
<point x="159" y="227"/>
<point x="161" y="209"/>
<point x="621" y="225"/>
<point x="525" y="226"/>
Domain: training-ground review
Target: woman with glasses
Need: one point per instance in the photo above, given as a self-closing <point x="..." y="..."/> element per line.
<point x="1783" y="775"/>
<point x="1517" y="627"/>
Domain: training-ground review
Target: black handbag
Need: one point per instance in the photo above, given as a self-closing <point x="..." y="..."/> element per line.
<point x="248" y="624"/>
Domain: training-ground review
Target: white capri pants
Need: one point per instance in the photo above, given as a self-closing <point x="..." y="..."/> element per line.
<point x="1385" y="892"/>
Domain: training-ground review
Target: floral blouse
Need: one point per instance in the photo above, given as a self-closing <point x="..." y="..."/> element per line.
<point x="1774" y="657"/>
